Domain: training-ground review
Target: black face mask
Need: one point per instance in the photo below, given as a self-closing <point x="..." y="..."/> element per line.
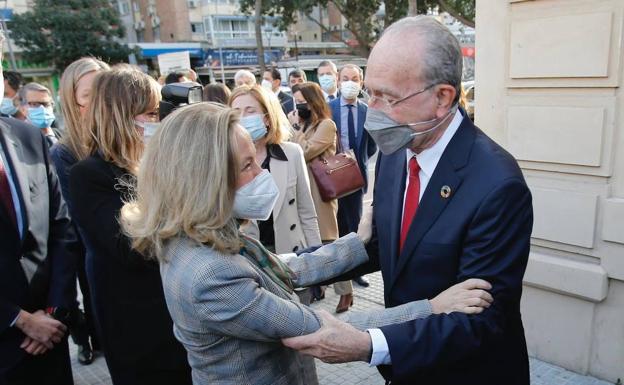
<point x="303" y="111"/>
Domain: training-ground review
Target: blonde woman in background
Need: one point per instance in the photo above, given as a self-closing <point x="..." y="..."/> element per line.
<point x="135" y="327"/>
<point x="75" y="92"/>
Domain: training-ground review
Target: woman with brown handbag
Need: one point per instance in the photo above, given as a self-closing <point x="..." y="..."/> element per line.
<point x="316" y="133"/>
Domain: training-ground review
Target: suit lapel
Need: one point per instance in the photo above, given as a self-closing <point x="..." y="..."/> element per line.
<point x="361" y="110"/>
<point x="432" y="204"/>
<point x="395" y="209"/>
<point x="20" y="176"/>
<point x="279" y="171"/>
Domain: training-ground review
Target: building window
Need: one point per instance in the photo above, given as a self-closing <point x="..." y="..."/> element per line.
<point x="232" y="28"/>
<point x="156" y="31"/>
<point x="124" y="8"/>
<point x="197" y="28"/>
<point x="135" y="6"/>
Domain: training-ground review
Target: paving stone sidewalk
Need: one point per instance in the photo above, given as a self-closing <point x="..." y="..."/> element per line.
<point x="542" y="373"/>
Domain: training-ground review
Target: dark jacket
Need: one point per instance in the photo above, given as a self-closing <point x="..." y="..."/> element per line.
<point x="286" y="101"/>
<point x="482" y="230"/>
<point x="36" y="270"/>
<point x="135" y="326"/>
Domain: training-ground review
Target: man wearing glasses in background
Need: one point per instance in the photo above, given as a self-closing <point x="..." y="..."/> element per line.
<point x="37" y="106"/>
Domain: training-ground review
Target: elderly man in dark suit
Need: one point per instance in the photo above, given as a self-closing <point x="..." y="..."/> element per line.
<point x="36" y="271"/>
<point x="449" y="204"/>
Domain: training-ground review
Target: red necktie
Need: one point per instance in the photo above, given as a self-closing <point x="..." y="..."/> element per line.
<point x="411" y="199"/>
<point x="5" y="194"/>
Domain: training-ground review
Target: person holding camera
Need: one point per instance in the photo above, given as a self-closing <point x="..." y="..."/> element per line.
<point x="135" y="326"/>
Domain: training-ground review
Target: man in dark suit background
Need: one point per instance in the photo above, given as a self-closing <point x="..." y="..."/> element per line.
<point x="449" y="204"/>
<point x="349" y="114"/>
<point x="272" y="80"/>
<point x="36" y="273"/>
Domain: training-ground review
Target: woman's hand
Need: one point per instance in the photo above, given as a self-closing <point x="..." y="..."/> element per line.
<point x="293" y="117"/>
<point x="468" y="297"/>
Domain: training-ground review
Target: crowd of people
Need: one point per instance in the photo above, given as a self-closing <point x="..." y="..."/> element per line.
<point x="199" y="242"/>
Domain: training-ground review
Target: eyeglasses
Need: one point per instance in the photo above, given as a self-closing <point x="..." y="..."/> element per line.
<point x="388" y="104"/>
<point x="38" y="104"/>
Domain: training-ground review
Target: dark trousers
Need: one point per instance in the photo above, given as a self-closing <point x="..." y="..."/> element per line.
<point x="349" y="213"/>
<point x="83" y="324"/>
<point x="51" y="368"/>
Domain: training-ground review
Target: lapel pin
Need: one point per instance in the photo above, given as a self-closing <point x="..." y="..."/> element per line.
<point x="445" y="192"/>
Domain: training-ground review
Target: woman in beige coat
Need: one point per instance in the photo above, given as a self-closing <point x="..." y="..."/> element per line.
<point x="316" y="133"/>
<point x="293" y="224"/>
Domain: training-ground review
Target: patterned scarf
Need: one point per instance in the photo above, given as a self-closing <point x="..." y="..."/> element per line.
<point x="269" y="262"/>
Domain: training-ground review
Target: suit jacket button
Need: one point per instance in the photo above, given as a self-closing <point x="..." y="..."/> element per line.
<point x="295" y="249"/>
<point x="292" y="227"/>
<point x="290" y="202"/>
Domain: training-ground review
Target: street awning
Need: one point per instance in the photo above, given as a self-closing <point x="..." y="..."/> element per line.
<point x="152" y="50"/>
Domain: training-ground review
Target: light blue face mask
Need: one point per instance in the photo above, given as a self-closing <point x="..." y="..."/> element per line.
<point x="7" y="107"/>
<point x="327" y="82"/>
<point x="41" y="117"/>
<point x="254" y="124"/>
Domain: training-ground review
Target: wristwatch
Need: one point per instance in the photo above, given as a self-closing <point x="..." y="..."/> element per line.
<point x="58" y="313"/>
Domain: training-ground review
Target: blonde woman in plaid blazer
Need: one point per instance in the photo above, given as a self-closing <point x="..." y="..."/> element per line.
<point x="231" y="300"/>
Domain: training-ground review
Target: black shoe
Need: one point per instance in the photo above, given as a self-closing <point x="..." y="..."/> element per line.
<point x="85" y="354"/>
<point x="361" y="281"/>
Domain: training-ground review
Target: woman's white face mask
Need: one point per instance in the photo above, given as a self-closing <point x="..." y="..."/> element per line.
<point x="256" y="199"/>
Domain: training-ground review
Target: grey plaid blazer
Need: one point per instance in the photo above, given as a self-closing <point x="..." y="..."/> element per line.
<point x="230" y="316"/>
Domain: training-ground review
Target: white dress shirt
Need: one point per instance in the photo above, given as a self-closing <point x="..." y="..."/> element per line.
<point x="428" y="161"/>
<point x="326" y="95"/>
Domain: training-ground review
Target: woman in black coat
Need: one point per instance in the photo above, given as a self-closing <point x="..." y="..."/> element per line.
<point x="136" y="329"/>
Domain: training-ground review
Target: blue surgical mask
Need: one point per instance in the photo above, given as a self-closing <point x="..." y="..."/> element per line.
<point x="41" y="117"/>
<point x="7" y="107"/>
<point x="254" y="124"/>
<point x="327" y="82"/>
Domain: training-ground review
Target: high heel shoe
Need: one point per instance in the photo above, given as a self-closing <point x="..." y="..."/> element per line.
<point x="346" y="301"/>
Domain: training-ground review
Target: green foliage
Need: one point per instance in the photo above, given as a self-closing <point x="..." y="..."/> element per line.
<point x="359" y="13"/>
<point x="61" y="31"/>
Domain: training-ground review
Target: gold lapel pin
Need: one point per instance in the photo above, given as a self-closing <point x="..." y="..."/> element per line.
<point x="445" y="192"/>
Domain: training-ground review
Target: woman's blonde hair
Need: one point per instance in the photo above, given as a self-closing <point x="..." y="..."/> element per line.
<point x="76" y="137"/>
<point x="122" y="93"/>
<point x="187" y="182"/>
<point x="278" y="129"/>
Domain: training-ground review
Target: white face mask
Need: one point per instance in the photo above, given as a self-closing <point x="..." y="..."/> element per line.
<point x="327" y="82"/>
<point x="350" y="90"/>
<point x="256" y="199"/>
<point x="149" y="128"/>
<point x="267" y="85"/>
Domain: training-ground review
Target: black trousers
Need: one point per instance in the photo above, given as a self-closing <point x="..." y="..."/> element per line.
<point x="51" y="368"/>
<point x="349" y="213"/>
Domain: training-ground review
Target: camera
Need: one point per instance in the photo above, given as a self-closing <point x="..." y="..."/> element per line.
<point x="176" y="95"/>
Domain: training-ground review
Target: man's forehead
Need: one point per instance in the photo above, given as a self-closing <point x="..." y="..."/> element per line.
<point x="37" y="95"/>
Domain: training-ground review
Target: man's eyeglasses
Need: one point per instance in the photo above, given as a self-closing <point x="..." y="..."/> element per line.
<point x="388" y="103"/>
<point x="38" y="104"/>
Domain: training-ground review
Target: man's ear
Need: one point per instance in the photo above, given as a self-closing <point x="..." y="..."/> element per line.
<point x="446" y="96"/>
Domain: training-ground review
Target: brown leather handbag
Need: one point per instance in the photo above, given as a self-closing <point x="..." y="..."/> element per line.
<point x="338" y="175"/>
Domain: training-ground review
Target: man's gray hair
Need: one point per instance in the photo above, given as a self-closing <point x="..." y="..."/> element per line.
<point x="328" y="63"/>
<point x="21" y="94"/>
<point x="244" y="74"/>
<point x="442" y="59"/>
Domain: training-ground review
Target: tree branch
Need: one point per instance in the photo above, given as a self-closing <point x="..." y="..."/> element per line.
<point x="324" y="28"/>
<point x="451" y="11"/>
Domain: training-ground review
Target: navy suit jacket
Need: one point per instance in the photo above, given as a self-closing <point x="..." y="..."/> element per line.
<point x="482" y="230"/>
<point x="36" y="270"/>
<point x="365" y="147"/>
